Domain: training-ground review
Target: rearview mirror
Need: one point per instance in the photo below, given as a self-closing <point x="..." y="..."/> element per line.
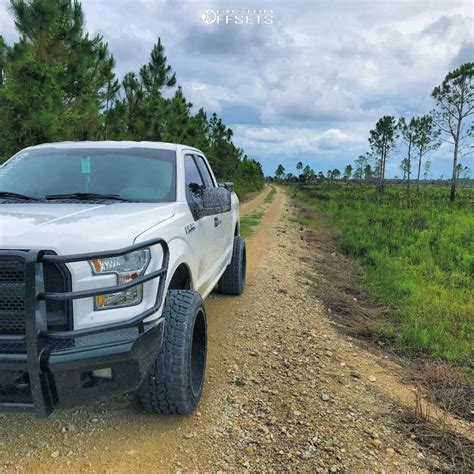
<point x="216" y="201"/>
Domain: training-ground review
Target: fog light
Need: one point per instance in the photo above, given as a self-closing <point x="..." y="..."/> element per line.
<point x="93" y="378"/>
<point x="103" y="373"/>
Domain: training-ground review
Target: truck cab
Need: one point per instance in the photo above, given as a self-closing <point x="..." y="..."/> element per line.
<point x="107" y="251"/>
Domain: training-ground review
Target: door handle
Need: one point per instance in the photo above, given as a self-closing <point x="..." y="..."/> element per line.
<point x="217" y="221"/>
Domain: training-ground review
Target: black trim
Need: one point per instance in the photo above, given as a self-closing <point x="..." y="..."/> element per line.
<point x="193" y="204"/>
<point x="75" y="295"/>
<point x="67" y="281"/>
<point x="202" y="164"/>
<point x="229" y="185"/>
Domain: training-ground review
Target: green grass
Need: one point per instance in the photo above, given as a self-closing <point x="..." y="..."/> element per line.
<point x="269" y="197"/>
<point x="249" y="223"/>
<point x="417" y="252"/>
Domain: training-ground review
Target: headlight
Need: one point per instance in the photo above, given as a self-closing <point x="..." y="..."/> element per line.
<point x="127" y="268"/>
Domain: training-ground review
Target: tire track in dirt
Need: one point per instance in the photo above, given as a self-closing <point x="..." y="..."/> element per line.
<point x="248" y="207"/>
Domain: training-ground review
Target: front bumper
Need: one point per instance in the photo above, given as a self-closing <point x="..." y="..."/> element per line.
<point x="84" y="370"/>
<point x="44" y="370"/>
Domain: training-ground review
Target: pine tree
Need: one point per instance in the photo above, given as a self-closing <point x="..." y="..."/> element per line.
<point x="454" y="107"/>
<point x="33" y="114"/>
<point x="157" y="74"/>
<point x="280" y="172"/>
<point x="56" y="73"/>
<point x="361" y="162"/>
<point x="426" y="140"/>
<point x="348" y="172"/>
<point x="134" y="105"/>
<point x="110" y="94"/>
<point x="299" y="166"/>
<point x="382" y="140"/>
<point x="199" y="130"/>
<point x="178" y="123"/>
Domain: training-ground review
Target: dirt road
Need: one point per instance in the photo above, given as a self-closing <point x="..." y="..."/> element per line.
<point x="284" y="391"/>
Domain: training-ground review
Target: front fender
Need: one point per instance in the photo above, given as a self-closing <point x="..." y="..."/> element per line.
<point x="180" y="253"/>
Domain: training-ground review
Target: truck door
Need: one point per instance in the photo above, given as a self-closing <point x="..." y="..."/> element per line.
<point x="222" y="222"/>
<point x="205" y="226"/>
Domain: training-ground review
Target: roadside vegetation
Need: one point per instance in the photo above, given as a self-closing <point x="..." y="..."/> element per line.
<point x="417" y="253"/>
<point x="413" y="236"/>
<point x="58" y="83"/>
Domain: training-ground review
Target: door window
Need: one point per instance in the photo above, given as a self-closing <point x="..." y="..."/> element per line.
<point x="205" y="171"/>
<point x="194" y="183"/>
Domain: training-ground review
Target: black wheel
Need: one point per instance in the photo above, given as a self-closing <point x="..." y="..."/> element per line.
<point x="174" y="383"/>
<point x="232" y="282"/>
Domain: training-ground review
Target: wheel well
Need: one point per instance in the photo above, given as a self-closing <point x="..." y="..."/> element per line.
<point x="181" y="279"/>
<point x="236" y="232"/>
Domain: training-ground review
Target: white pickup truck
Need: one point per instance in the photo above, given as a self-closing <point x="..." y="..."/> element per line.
<point x="107" y="250"/>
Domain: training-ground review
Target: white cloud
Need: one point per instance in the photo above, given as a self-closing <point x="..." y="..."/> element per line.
<point x="201" y="94"/>
<point x="289" y="140"/>
<point x="334" y="139"/>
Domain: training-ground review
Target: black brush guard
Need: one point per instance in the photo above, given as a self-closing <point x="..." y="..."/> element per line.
<point x="56" y="365"/>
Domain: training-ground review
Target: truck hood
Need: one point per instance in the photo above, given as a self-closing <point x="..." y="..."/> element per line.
<point x="77" y="228"/>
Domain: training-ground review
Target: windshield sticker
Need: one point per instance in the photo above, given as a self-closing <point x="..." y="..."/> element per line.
<point x="86" y="165"/>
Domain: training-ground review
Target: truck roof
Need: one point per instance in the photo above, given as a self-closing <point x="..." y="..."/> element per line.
<point x="114" y="144"/>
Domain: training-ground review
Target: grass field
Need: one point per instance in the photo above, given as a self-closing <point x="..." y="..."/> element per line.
<point x="417" y="253"/>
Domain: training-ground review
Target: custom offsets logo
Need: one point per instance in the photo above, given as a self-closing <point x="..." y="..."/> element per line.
<point x="237" y="17"/>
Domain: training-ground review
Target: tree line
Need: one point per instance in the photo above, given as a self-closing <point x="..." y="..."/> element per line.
<point x="450" y="121"/>
<point x="58" y="83"/>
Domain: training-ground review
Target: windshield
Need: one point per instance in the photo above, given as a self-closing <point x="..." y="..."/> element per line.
<point x="135" y="174"/>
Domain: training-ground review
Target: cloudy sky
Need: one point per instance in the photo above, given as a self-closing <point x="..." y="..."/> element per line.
<point x="308" y="86"/>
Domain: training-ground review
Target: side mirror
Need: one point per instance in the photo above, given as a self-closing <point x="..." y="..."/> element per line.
<point x="216" y="201"/>
<point x="229" y="185"/>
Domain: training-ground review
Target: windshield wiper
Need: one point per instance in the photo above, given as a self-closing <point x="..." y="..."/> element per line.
<point x="23" y="197"/>
<point x="86" y="196"/>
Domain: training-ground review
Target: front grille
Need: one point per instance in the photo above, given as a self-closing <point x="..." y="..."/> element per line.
<point x="12" y="296"/>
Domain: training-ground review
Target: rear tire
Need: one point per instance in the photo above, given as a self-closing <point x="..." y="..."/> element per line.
<point x="232" y="281"/>
<point x="174" y="382"/>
